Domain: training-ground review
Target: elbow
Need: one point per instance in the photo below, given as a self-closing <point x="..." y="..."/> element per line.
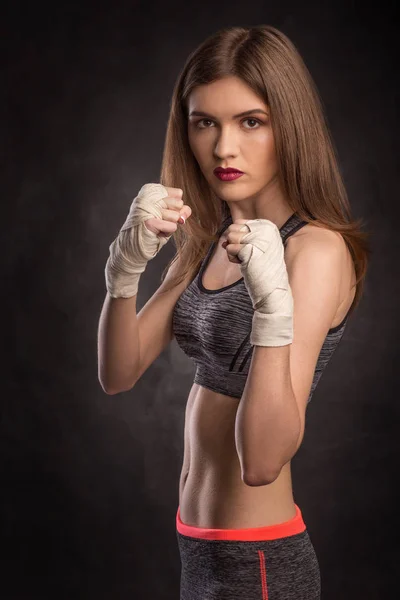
<point x="107" y="390"/>
<point x="111" y="388"/>
<point x="256" y="481"/>
<point x="112" y="391"/>
<point x="268" y="476"/>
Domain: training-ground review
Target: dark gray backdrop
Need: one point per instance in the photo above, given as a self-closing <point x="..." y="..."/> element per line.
<point x="89" y="482"/>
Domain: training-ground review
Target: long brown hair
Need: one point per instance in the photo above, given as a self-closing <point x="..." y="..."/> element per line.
<point x="269" y="63"/>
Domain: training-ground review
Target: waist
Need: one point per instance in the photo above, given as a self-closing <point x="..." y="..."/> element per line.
<point x="216" y="500"/>
<point x="292" y="526"/>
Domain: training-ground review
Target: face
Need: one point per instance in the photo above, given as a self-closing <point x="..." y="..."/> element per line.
<point x="220" y="138"/>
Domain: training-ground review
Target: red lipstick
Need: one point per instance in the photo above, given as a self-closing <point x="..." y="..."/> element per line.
<point x="228" y="174"/>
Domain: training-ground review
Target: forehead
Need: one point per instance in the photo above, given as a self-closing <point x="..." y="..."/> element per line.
<point x="227" y="95"/>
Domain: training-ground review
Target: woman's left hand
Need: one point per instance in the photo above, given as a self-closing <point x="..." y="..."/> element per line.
<point x="256" y="245"/>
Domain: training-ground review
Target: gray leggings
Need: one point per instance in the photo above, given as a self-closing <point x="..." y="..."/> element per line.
<point x="275" y="562"/>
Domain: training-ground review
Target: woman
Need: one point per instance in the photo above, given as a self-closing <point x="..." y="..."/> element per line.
<point x="260" y="310"/>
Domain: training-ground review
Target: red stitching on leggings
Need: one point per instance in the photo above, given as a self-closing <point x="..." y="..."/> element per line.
<point x="263" y="572"/>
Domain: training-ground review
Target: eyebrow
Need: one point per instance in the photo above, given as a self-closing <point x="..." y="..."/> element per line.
<point x="198" y="113"/>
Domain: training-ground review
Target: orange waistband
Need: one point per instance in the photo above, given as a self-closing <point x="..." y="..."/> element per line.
<point x="268" y="532"/>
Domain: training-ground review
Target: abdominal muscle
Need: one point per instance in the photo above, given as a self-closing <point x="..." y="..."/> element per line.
<point x="213" y="494"/>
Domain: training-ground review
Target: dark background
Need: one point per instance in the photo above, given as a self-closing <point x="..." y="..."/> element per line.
<point x="89" y="482"/>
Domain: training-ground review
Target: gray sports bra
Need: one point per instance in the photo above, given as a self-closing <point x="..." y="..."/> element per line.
<point x="213" y="327"/>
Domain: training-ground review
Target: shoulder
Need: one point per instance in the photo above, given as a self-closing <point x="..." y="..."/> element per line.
<point x="319" y="241"/>
<point x="317" y="261"/>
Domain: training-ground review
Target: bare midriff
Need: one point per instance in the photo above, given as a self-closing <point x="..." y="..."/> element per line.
<point x="214" y="494"/>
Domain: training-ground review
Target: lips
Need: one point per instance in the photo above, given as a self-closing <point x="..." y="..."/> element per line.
<point x="227" y="170"/>
<point x="228" y="176"/>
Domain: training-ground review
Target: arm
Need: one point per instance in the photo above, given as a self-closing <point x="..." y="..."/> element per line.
<point x="118" y="344"/>
<point x="268" y="422"/>
<point x="270" y="419"/>
<point x="128" y="343"/>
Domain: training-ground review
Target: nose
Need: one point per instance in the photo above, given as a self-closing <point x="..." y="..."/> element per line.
<point x="226" y="144"/>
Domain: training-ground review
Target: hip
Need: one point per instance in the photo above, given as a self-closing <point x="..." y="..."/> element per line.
<point x="276" y="562"/>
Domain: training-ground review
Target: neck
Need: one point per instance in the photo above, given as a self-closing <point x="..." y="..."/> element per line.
<point x="269" y="203"/>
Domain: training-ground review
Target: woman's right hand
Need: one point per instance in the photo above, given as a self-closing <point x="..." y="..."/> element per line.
<point x="170" y="216"/>
<point x="152" y="219"/>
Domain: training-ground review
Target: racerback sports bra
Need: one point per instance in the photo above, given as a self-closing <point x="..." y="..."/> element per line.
<point x="213" y="327"/>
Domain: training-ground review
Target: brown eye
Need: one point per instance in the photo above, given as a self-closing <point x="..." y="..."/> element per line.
<point x="254" y="121"/>
<point x="201" y="121"/>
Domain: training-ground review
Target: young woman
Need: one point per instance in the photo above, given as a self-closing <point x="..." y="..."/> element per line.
<point x="260" y="310"/>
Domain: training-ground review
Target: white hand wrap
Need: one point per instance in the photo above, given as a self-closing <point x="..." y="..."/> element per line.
<point x="264" y="270"/>
<point x="135" y="245"/>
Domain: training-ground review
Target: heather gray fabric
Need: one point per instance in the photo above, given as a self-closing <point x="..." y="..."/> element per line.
<point x="231" y="570"/>
<point x="213" y="328"/>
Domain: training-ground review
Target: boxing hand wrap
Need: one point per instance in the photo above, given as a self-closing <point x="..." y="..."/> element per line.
<point x="264" y="271"/>
<point x="135" y="245"/>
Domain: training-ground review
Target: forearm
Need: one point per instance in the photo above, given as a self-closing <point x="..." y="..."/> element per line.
<point x="118" y="344"/>
<point x="267" y="425"/>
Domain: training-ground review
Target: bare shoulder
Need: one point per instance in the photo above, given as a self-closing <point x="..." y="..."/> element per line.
<point x="322" y="238"/>
<point x="312" y="235"/>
